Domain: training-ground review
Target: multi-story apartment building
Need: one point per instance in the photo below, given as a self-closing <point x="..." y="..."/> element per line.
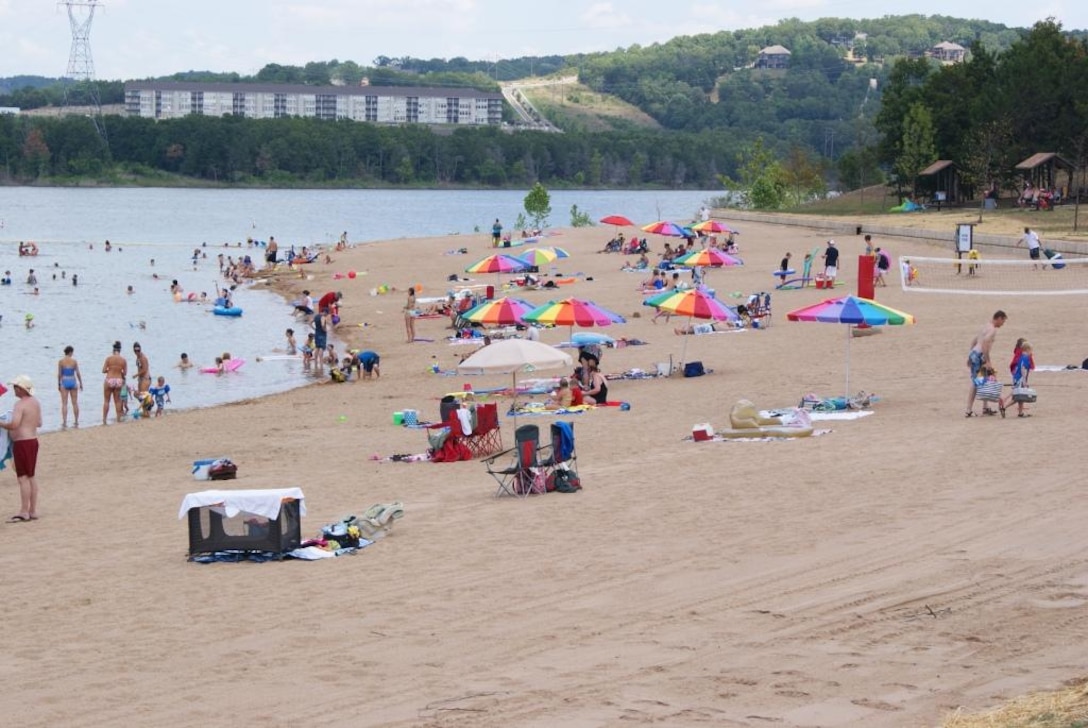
<point x="377" y="104"/>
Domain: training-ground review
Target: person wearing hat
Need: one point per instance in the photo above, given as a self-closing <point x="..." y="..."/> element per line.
<point x="831" y="262"/>
<point x="26" y="418"/>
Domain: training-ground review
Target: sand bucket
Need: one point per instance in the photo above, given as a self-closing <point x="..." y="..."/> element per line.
<point x="411" y="417"/>
<point x="398" y="418"/>
<point x="664" y="368"/>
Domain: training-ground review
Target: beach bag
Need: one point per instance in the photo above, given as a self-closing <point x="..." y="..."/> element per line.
<point x="1023" y="394"/>
<point x="566" y="481"/>
<point x="529" y="481"/>
<point x="694" y="369"/>
<point x="988" y="391"/>
<point x="222" y="469"/>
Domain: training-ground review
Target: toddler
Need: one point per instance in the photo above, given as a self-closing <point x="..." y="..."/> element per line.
<point x="161" y="393"/>
<point x="1022" y="365"/>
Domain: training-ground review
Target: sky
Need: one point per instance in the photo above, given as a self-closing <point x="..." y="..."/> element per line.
<point x="132" y="39"/>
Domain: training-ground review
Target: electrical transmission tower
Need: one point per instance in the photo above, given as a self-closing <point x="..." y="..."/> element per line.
<point x="80" y="74"/>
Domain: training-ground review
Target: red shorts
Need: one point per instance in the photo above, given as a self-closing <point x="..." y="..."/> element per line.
<point x="25" y="455"/>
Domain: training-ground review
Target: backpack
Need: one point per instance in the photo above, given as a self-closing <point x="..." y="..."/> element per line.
<point x="694" y="369"/>
<point x="566" y="481"/>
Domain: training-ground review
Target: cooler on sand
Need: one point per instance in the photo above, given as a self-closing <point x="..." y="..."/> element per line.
<point x="244" y="520"/>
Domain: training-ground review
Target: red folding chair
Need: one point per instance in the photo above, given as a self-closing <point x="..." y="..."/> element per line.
<point x="486" y="439"/>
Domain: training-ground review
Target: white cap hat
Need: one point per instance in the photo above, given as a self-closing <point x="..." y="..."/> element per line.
<point x="23" y="382"/>
<point x="830" y="242"/>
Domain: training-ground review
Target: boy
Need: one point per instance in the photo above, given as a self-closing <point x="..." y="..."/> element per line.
<point x="161" y="393"/>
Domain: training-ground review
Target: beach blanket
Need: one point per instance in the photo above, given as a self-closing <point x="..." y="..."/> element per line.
<point x="718" y="438"/>
<point x="535" y="409"/>
<point x="817" y="415"/>
<point x="1059" y="368"/>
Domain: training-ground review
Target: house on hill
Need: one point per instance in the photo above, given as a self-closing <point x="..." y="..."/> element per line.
<point x="774" y="56"/>
<point x="947" y="52"/>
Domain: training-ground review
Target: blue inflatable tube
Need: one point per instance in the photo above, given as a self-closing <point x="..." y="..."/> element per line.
<point x="232" y="311"/>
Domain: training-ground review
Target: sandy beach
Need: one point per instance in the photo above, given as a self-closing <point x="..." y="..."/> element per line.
<point x="899" y="567"/>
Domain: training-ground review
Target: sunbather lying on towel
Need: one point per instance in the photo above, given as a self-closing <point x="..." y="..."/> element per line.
<point x="695" y="329"/>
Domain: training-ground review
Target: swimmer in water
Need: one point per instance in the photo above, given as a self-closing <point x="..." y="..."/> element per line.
<point x="184" y="363"/>
<point x="130" y="290"/>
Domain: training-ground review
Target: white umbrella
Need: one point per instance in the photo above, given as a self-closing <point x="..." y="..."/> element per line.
<point x="510" y="356"/>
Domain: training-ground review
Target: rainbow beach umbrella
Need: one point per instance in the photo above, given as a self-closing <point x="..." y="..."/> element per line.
<point x="539" y="256"/>
<point x="498" y="263"/>
<point x="665" y="227"/>
<point x="505" y="311"/>
<point x="712" y="227"/>
<point x="573" y="312"/>
<point x="852" y="311"/>
<point x="693" y="303"/>
<point x="708" y="258"/>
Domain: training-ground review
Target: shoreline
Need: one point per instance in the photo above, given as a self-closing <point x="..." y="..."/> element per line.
<point x="719" y="580"/>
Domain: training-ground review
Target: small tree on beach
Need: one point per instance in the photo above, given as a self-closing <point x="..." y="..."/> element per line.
<point x="538" y="204"/>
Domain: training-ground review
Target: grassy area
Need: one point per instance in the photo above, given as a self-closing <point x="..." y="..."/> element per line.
<point x="1008" y="220"/>
<point x="576" y="107"/>
<point x="1065" y="708"/>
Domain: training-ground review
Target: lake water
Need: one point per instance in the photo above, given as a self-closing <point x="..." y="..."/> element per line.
<point x="167" y="225"/>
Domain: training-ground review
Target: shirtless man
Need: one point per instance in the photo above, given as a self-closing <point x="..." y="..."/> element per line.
<point x="143" y="369"/>
<point x="116" y="369"/>
<point x="26" y="418"/>
<point x="980" y="354"/>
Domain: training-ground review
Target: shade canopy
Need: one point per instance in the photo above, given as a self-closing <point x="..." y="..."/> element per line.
<point x="853" y="311"/>
<point x="708" y="257"/>
<point x="505" y="311"/>
<point x="573" y="312"/>
<point x="712" y="226"/>
<point x="498" y="263"/>
<point x="510" y="356"/>
<point x="665" y="227"/>
<point x="693" y="303"/>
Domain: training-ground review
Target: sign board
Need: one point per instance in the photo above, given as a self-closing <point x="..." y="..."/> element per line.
<point x="965" y="237"/>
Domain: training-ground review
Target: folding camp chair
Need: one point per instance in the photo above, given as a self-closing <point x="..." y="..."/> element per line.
<point x="560" y="450"/>
<point x="486" y="439"/>
<point x="561" y="458"/>
<point x="522" y="476"/>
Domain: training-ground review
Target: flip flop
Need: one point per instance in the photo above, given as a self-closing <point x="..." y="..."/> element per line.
<point x="20" y="519"/>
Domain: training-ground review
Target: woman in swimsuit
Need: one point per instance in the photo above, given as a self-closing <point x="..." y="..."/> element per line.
<point x="69" y="382"/>
<point x="595" y="386"/>
<point x="116" y="369"/>
<point x="410" y="314"/>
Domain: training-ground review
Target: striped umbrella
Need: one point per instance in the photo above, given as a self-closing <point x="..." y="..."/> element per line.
<point x="693" y="303"/>
<point x="708" y="257"/>
<point x="573" y="312"/>
<point x="539" y="256"/>
<point x="713" y="227"/>
<point x="505" y="311"/>
<point x="852" y="311"/>
<point x="664" y="227"/>
<point x="498" y="263"/>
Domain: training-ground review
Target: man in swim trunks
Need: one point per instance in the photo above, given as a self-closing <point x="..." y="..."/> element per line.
<point x="369" y="364"/>
<point x="980" y="354"/>
<point x="116" y="369"/>
<point x="26" y="418"/>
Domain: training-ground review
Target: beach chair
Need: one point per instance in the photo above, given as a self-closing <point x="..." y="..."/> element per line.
<point x="759" y="310"/>
<point x="560" y="450"/>
<point x="522" y="474"/>
<point x="486" y="439"/>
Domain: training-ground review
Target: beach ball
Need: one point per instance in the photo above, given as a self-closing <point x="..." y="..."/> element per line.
<point x="351" y="274"/>
<point x="335" y="320"/>
<point x="419" y="287"/>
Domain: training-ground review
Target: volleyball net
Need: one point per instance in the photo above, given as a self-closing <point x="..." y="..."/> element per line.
<point x="1055" y="276"/>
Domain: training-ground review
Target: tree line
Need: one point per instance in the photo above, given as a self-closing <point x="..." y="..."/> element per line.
<point x="990" y="112"/>
<point x="234" y="150"/>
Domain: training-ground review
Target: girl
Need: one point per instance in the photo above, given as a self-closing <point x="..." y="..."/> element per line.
<point x="1022" y="367"/>
<point x="988" y="389"/>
